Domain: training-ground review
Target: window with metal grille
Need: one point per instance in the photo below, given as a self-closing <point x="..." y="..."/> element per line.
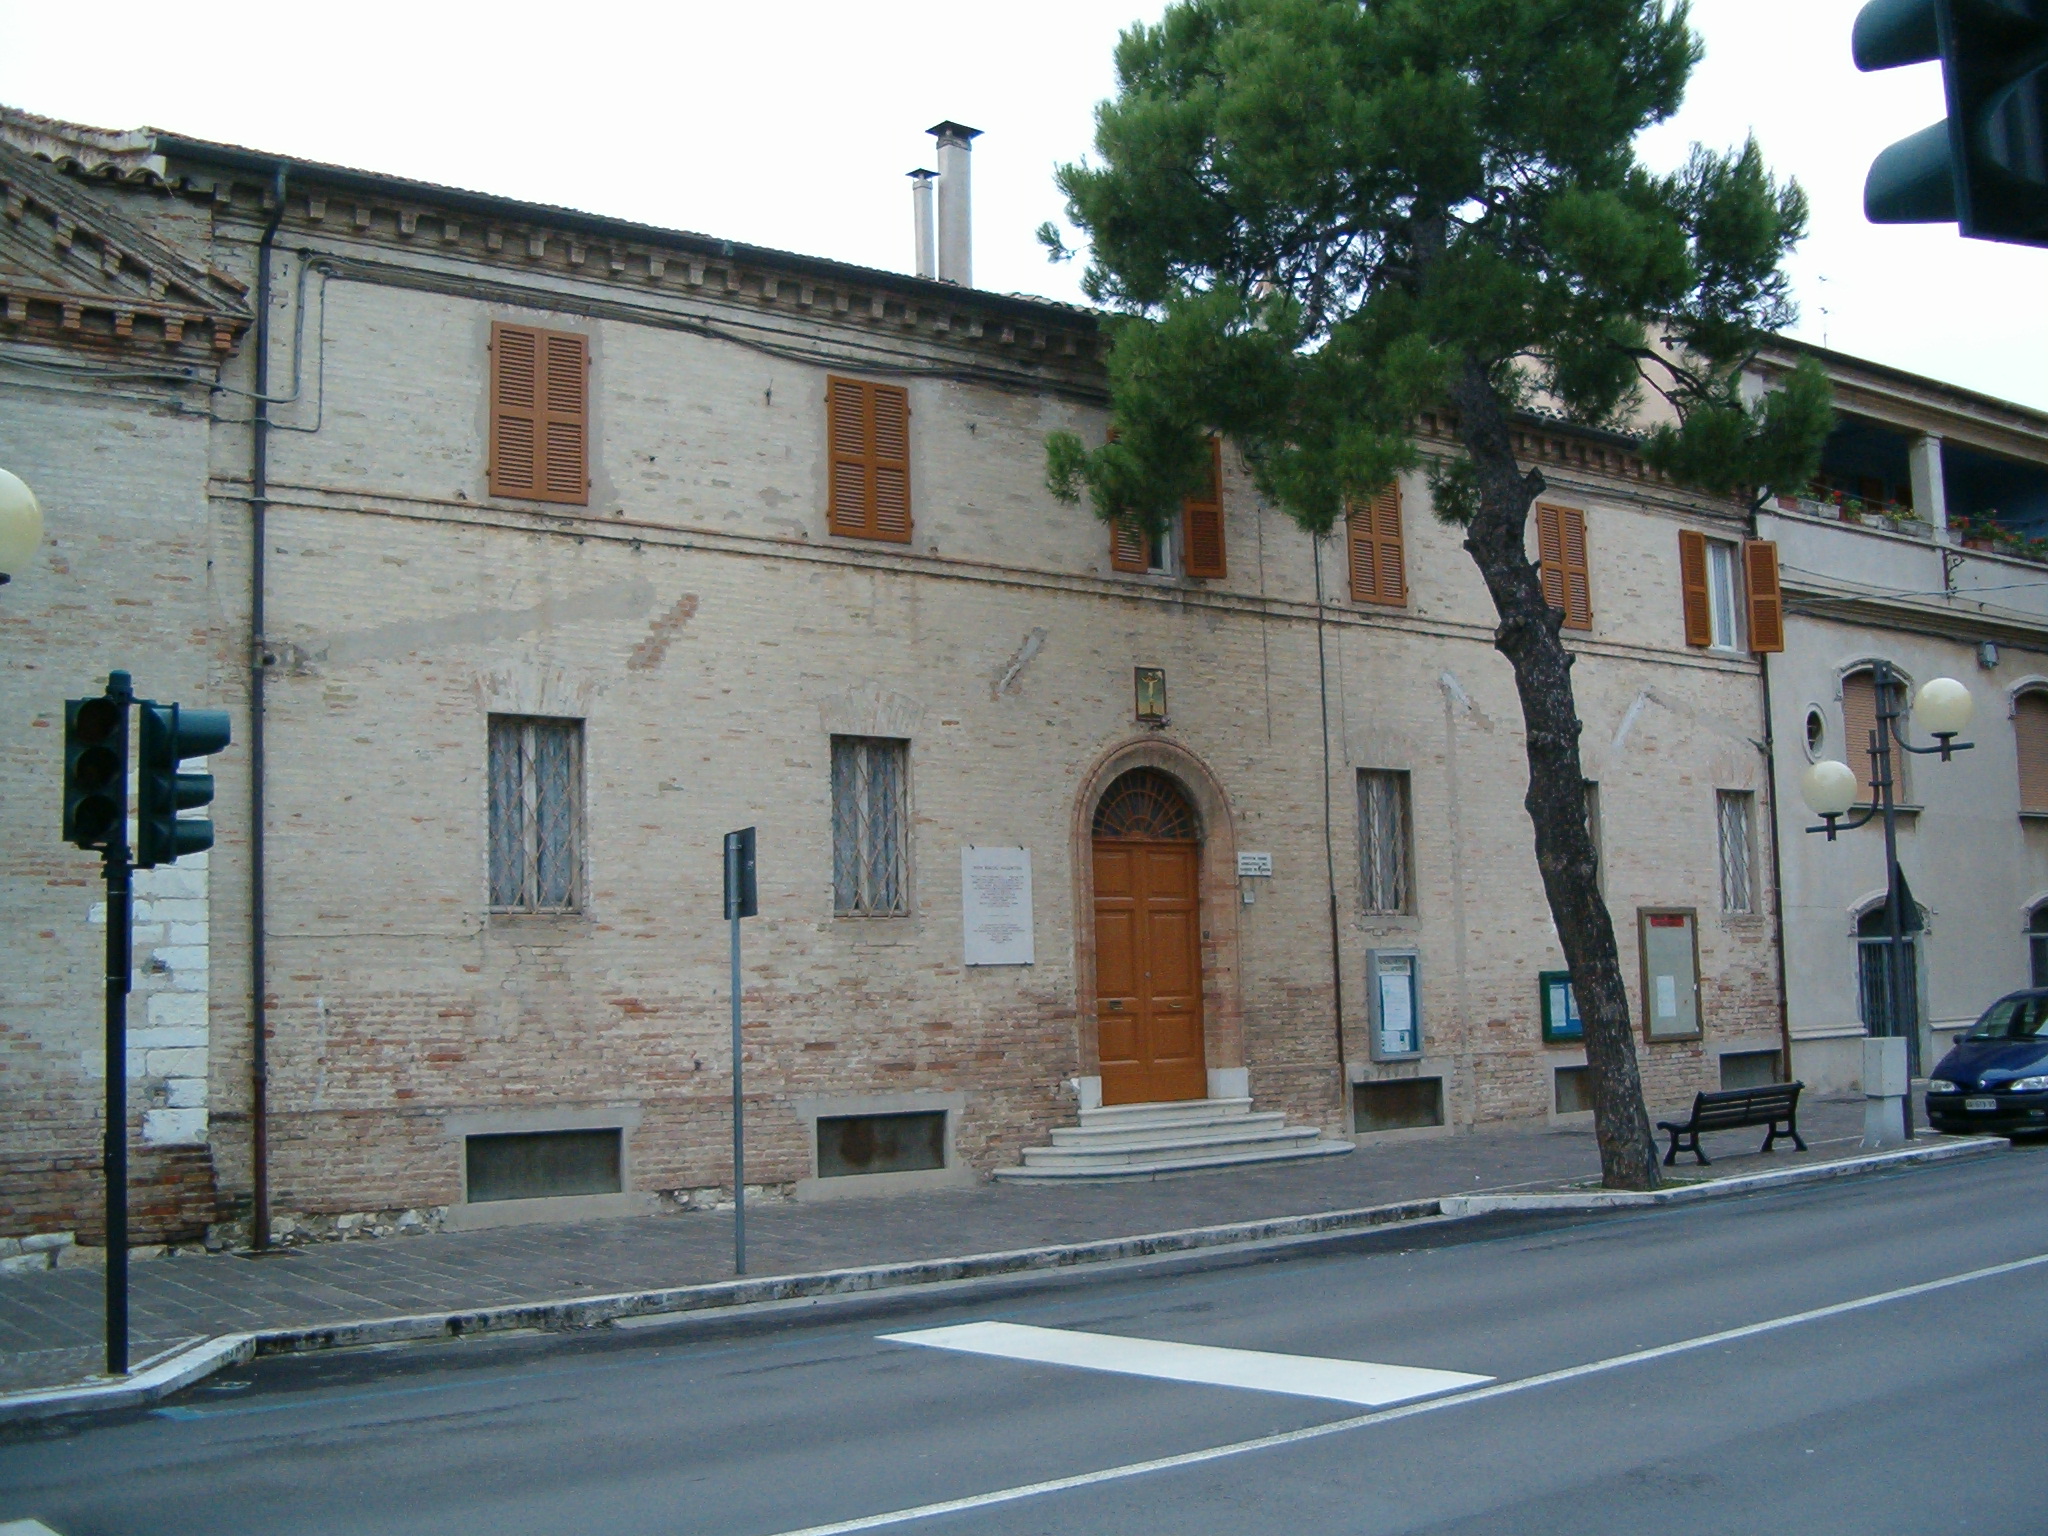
<point x="1593" y="835"/>
<point x="1738" y="850"/>
<point x="1874" y="971"/>
<point x="1383" y="841"/>
<point x="2037" y="946"/>
<point x="870" y="826"/>
<point x="536" y="813"/>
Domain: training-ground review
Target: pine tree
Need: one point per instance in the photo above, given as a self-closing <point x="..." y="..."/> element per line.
<point x="1315" y="219"/>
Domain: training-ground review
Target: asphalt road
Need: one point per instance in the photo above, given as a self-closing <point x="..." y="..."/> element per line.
<point x="1616" y="1400"/>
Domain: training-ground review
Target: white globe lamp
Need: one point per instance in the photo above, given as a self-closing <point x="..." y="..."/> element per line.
<point x="21" y="525"/>
<point x="1944" y="707"/>
<point x="1829" y="788"/>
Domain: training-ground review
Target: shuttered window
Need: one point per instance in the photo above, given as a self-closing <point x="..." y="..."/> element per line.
<point x="2030" y="737"/>
<point x="1202" y="523"/>
<point x="540" y="414"/>
<point x="1859" y="721"/>
<point x="868" y="427"/>
<point x="1379" y="570"/>
<point x="1766" y="600"/>
<point x="1561" y="556"/>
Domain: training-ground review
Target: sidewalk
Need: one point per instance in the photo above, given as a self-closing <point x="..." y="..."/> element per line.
<point x="50" y="1321"/>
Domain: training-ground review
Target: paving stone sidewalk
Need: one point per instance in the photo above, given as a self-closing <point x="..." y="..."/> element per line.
<point x="50" y="1321"/>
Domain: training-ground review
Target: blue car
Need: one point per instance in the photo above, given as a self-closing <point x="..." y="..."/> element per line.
<point x="1996" y="1078"/>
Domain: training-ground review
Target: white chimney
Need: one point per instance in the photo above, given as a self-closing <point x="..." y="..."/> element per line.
<point x="921" y="222"/>
<point x="956" y="258"/>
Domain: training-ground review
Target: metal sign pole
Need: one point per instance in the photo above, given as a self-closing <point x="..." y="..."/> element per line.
<point x="741" y="900"/>
<point x="114" y="1149"/>
<point x="739" y="1138"/>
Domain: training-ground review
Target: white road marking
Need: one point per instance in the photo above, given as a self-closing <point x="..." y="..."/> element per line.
<point x="26" y="1528"/>
<point x="1344" y="1381"/>
<point x="1409" y="1410"/>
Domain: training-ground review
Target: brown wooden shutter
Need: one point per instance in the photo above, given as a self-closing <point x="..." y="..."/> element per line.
<point x="1561" y="558"/>
<point x="2030" y="737"/>
<point x="867" y="429"/>
<point x="515" y="410"/>
<point x="540" y="414"/>
<point x="1859" y="720"/>
<point x="1766" y="600"/>
<point x="1129" y="548"/>
<point x="1379" y="571"/>
<point x="1202" y="522"/>
<point x="1692" y="580"/>
<point x="565" y="418"/>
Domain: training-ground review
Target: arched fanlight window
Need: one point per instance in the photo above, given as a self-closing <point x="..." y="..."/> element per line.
<point x="1146" y="805"/>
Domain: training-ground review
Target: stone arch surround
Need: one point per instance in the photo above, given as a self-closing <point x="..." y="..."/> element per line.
<point x="1222" y="970"/>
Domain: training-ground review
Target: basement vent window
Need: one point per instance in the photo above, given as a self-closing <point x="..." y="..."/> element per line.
<point x="531" y="1165"/>
<point x="1749" y="1069"/>
<point x="855" y="1144"/>
<point x="1574" y="1090"/>
<point x="1400" y="1104"/>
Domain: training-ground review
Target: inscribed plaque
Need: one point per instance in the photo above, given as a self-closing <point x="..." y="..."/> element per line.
<point x="995" y="906"/>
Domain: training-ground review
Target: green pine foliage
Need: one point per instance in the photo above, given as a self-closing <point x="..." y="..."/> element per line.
<point x="1309" y="216"/>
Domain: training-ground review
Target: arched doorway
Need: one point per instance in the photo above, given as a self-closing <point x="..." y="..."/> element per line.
<point x="1148" y="941"/>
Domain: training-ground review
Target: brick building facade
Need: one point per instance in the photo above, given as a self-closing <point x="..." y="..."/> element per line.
<point x="508" y="717"/>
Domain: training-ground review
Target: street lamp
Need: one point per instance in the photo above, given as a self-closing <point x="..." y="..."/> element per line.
<point x="1831" y="788"/>
<point x="21" y="526"/>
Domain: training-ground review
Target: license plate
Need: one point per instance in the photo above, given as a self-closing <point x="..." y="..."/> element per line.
<point x="1980" y="1106"/>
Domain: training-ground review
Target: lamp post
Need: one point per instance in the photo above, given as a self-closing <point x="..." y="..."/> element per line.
<point x="21" y="526"/>
<point x="1830" y="789"/>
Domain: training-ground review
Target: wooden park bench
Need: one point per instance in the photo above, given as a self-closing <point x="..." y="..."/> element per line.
<point x="1731" y="1110"/>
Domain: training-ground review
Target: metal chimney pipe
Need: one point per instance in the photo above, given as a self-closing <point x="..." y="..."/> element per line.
<point x="921" y="220"/>
<point x="956" y="253"/>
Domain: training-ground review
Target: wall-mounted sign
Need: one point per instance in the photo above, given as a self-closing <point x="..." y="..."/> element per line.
<point x="995" y="906"/>
<point x="1671" y="974"/>
<point x="1251" y="865"/>
<point x="1561" y="1022"/>
<point x="1150" y="686"/>
<point x="1394" y="994"/>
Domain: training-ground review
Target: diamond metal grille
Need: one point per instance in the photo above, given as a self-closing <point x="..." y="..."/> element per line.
<point x="1383" y="840"/>
<point x="1738" y="853"/>
<point x="536" y="769"/>
<point x="870" y="826"/>
<point x="1146" y="805"/>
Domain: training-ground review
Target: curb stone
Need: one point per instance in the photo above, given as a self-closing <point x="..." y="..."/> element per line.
<point x="190" y="1365"/>
<point x="1812" y="1173"/>
<point x="170" y="1372"/>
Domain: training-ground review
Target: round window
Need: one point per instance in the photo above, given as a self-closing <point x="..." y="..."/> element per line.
<point x="1816" y="731"/>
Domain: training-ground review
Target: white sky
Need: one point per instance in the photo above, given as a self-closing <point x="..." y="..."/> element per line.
<point x="792" y="124"/>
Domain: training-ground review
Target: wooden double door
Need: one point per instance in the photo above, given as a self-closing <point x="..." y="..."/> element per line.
<point x="1148" y="971"/>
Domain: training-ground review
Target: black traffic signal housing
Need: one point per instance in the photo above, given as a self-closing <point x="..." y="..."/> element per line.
<point x="170" y="734"/>
<point x="96" y="772"/>
<point x="1986" y="167"/>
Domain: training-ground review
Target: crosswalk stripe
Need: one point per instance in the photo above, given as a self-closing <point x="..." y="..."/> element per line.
<point x="1343" y="1381"/>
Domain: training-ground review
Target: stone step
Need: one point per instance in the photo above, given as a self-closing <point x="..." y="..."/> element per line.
<point x="1166" y="1166"/>
<point x="1175" y="1112"/>
<point x="1191" y="1144"/>
<point x="1091" y="1134"/>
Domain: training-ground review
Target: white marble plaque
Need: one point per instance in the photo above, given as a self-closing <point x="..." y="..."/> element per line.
<point x="995" y="906"/>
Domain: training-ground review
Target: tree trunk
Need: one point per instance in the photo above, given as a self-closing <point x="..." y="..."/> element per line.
<point x="1529" y="638"/>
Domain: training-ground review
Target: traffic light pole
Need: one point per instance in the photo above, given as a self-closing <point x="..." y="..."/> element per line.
<point x="120" y="871"/>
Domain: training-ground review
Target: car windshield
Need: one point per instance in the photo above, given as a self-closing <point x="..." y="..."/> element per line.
<point x="2013" y="1018"/>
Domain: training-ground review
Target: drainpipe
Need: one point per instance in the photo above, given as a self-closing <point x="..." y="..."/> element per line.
<point x="259" y="659"/>
<point x="1330" y="850"/>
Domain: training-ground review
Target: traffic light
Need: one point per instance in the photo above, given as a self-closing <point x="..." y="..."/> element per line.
<point x="170" y="734"/>
<point x="95" y="771"/>
<point x="1985" y="167"/>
